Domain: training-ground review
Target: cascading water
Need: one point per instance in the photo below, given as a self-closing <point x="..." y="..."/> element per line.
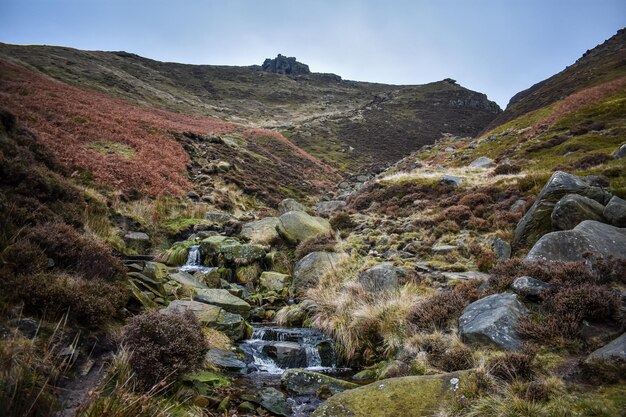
<point x="194" y="261"/>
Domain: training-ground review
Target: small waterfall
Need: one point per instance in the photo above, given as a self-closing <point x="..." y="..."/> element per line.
<point x="194" y="261"/>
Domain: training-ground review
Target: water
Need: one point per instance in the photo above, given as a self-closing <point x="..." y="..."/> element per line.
<point x="194" y="261"/>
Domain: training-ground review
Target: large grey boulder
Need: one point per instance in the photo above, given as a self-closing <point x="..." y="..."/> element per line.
<point x="615" y="212"/>
<point x="537" y="221"/>
<point x="224" y="299"/>
<point x="305" y="382"/>
<point x="493" y="320"/>
<point x="327" y="207"/>
<point x="482" y="162"/>
<point x="381" y="277"/>
<point x="210" y="316"/>
<point x="312" y="267"/>
<point x="287" y="354"/>
<point x="296" y="226"/>
<point x="226" y="360"/>
<point x="601" y="239"/>
<point x="573" y="209"/>
<point x="289" y="204"/>
<point x="615" y="350"/>
<point x="620" y="152"/>
<point x="264" y="231"/>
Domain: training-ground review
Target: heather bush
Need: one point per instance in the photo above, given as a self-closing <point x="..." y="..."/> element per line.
<point x="511" y="366"/>
<point x="454" y="358"/>
<point x="507" y="169"/>
<point x="472" y="200"/>
<point x="163" y="347"/>
<point x="458" y="214"/>
<point x="342" y="221"/>
<point x="589" y="161"/>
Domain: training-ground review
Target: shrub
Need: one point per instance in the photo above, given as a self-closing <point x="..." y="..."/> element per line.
<point x="163" y="347"/>
<point x="584" y="301"/>
<point x="507" y="169"/>
<point x="458" y="214"/>
<point x="473" y="200"/>
<point x="511" y="366"/>
<point x="321" y="243"/>
<point x="590" y="161"/>
<point x="342" y="221"/>
<point x="455" y="358"/>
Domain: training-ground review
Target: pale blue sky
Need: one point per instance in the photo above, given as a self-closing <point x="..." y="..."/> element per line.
<point x="498" y="47"/>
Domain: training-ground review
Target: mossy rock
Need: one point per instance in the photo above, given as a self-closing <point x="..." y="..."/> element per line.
<point x="305" y="382"/>
<point x="278" y="262"/>
<point x="409" y="396"/>
<point x="246" y="274"/>
<point x="296" y="226"/>
<point x="210" y="247"/>
<point x="177" y="254"/>
<point x="246" y="254"/>
<point x="155" y="270"/>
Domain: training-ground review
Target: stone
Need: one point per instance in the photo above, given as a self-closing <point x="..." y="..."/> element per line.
<point x="226" y="360"/>
<point x="529" y="287"/>
<point x="274" y="401"/>
<point x="365" y="375"/>
<point x="224" y="299"/>
<point x="615" y="350"/>
<point x="212" y="277"/>
<point x="285" y="65"/>
<point x="28" y="327"/>
<point x="464" y="276"/>
<point x="573" y="209"/>
<point x="287" y="354"/>
<point x="518" y="205"/>
<point x="186" y="279"/>
<point x="615" y="212"/>
<point x="501" y="248"/>
<point x="274" y="281"/>
<point x="482" y="162"/>
<point x="242" y="254"/>
<point x="493" y="320"/>
<point x="451" y="180"/>
<point x="219" y="217"/>
<point x="211" y="316"/>
<point x="296" y="226"/>
<point x="409" y="396"/>
<point x="620" y="152"/>
<point x="264" y="231"/>
<point x="289" y="204"/>
<point x="444" y="248"/>
<point x="138" y="241"/>
<point x="312" y="267"/>
<point x="537" y="221"/>
<point x="155" y="270"/>
<point x="381" y="277"/>
<point x="600" y="239"/>
<point x="305" y="382"/>
<point x="328" y="207"/>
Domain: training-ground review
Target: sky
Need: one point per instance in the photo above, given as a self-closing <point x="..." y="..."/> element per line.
<point x="497" y="47"/>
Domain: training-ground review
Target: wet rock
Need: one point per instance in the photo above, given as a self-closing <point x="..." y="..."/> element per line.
<point x="224" y="299"/>
<point x="264" y="231"/>
<point x="381" y="277"/>
<point x="226" y="360"/>
<point x="591" y="236"/>
<point x="211" y="316"/>
<point x="274" y="281"/>
<point x="482" y="162"/>
<point x="615" y="212"/>
<point x="289" y="204"/>
<point x="529" y="287"/>
<point x="274" y="401"/>
<point x="287" y="354"/>
<point x="312" y="267"/>
<point x="305" y="382"/>
<point x="493" y="320"/>
<point x="537" y="220"/>
<point x="572" y="209"/>
<point x="296" y="226"/>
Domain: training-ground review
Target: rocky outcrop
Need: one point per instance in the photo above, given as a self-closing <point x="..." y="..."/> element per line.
<point x="589" y="236"/>
<point x="493" y="320"/>
<point x="573" y="209"/>
<point x="381" y="277"/>
<point x="262" y="231"/>
<point x="305" y="382"/>
<point x="312" y="267"/>
<point x="285" y="65"/>
<point x="296" y="226"/>
<point x="409" y="396"/>
<point x="537" y="221"/>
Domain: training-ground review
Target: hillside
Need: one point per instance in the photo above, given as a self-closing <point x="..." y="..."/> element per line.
<point x="340" y="122"/>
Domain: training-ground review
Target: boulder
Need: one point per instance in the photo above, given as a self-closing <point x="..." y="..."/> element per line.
<point x="589" y="236"/>
<point x="615" y="350"/>
<point x="274" y="401"/>
<point x="312" y="267"/>
<point x="537" y="220"/>
<point x="219" y="217"/>
<point x="529" y="287"/>
<point x="572" y="209"/>
<point x="177" y="254"/>
<point x="274" y="281"/>
<point x="239" y="254"/>
<point x="264" y="231"/>
<point x="493" y="320"/>
<point x="482" y="162"/>
<point x="226" y="360"/>
<point x="223" y="299"/>
<point x="501" y="248"/>
<point x="186" y="279"/>
<point x="296" y="226"/>
<point x="287" y="354"/>
<point x="451" y="180"/>
<point x="409" y="396"/>
<point x="138" y="241"/>
<point x="615" y="212"/>
<point x="305" y="382"/>
<point x="211" y="316"/>
<point x="327" y="207"/>
<point x="620" y="152"/>
<point x="211" y="277"/>
<point x="289" y="204"/>
<point x="381" y="277"/>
